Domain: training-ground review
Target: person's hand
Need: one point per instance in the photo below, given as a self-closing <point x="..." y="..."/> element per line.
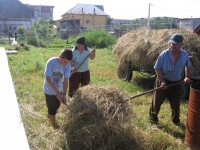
<point x="73" y="70"/>
<point x="93" y="51"/>
<point x="187" y="80"/>
<point x="163" y="84"/>
<point x="64" y="99"/>
<point x="60" y="97"/>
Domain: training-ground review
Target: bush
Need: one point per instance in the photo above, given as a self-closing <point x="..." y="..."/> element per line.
<point x="22" y="31"/>
<point x="22" y="44"/>
<point x="98" y="38"/>
<point x="26" y="48"/>
<point x="35" y="42"/>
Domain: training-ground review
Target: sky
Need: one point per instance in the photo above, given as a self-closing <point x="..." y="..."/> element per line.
<point x="129" y="9"/>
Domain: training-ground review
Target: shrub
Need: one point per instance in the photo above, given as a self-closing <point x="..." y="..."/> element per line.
<point x="22" y="31"/>
<point x="98" y="38"/>
<point x="26" y="47"/>
<point x="22" y="44"/>
<point x="35" y="41"/>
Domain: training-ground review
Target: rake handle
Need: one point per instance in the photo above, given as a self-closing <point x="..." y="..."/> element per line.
<point x="151" y="91"/>
<point x="85" y="59"/>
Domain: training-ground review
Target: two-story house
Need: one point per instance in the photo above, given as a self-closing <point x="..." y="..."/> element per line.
<point x="84" y="16"/>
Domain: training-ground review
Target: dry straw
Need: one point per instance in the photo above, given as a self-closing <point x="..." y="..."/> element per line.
<point x="141" y="48"/>
<point x="100" y="121"/>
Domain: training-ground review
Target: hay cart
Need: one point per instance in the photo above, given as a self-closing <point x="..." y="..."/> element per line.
<point x="138" y="51"/>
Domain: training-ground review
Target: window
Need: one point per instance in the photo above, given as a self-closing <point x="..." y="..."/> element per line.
<point x="87" y="21"/>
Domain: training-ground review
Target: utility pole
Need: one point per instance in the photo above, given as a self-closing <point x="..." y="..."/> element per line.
<point x="148" y="21"/>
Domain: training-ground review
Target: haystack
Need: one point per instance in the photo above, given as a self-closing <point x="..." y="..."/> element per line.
<point x="141" y="48"/>
<point x="99" y="120"/>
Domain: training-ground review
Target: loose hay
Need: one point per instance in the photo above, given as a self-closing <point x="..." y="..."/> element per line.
<point x="141" y="48"/>
<point x="99" y="120"/>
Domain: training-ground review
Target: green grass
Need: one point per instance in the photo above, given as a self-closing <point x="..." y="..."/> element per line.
<point x="27" y="69"/>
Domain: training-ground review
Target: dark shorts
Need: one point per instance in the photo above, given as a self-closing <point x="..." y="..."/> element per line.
<point x="52" y="104"/>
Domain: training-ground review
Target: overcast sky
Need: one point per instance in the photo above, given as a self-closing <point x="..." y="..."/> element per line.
<point x="129" y="9"/>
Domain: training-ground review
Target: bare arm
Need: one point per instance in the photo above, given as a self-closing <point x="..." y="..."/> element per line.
<point x="65" y="85"/>
<point x="93" y="53"/>
<point x="187" y="75"/>
<point x="160" y="77"/>
<point x="73" y="70"/>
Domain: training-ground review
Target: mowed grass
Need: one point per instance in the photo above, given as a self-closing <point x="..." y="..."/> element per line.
<point x="27" y="69"/>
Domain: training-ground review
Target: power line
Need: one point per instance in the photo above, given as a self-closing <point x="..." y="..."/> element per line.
<point x="176" y="10"/>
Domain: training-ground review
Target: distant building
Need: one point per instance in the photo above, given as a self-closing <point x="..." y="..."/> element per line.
<point x="84" y="16"/>
<point x="119" y="22"/>
<point x="41" y="11"/>
<point x="14" y="14"/>
<point x="189" y="23"/>
<point x="100" y="7"/>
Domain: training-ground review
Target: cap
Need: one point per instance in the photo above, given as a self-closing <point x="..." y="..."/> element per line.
<point x="176" y="38"/>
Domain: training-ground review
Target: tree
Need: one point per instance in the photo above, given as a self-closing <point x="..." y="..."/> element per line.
<point x="163" y="23"/>
<point x="156" y="23"/>
<point x="21" y="31"/>
<point x="42" y="28"/>
<point x="109" y="20"/>
<point x="137" y="23"/>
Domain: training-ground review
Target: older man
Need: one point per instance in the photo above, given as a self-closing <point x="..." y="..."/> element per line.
<point x="169" y="67"/>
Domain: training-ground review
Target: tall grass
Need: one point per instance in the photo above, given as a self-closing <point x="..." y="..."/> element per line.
<point x="27" y="69"/>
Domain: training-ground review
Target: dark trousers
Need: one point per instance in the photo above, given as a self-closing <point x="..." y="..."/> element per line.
<point x="52" y="104"/>
<point x="173" y="94"/>
<point x="76" y="79"/>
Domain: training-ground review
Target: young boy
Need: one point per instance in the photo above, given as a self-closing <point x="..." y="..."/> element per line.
<point x="56" y="69"/>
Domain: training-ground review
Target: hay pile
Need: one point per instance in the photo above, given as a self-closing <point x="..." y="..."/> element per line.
<point x="141" y="48"/>
<point x="99" y="120"/>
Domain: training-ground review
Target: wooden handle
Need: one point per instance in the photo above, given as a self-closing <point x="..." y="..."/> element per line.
<point x="150" y="91"/>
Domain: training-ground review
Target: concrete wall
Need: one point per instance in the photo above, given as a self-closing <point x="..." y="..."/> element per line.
<point x="12" y="133"/>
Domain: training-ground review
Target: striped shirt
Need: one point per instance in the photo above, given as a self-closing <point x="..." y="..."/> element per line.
<point x="164" y="64"/>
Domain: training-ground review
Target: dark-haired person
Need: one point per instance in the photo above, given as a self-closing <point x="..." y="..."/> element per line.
<point x="81" y="75"/>
<point x="169" y="67"/>
<point x="57" y="71"/>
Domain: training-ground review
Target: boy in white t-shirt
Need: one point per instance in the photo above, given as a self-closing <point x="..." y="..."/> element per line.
<point x="57" y="69"/>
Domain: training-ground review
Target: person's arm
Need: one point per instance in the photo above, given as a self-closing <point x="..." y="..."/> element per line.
<point x="73" y="69"/>
<point x="160" y="77"/>
<point x="187" y="75"/>
<point x="64" y="91"/>
<point x="52" y="86"/>
<point x="93" y="54"/>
